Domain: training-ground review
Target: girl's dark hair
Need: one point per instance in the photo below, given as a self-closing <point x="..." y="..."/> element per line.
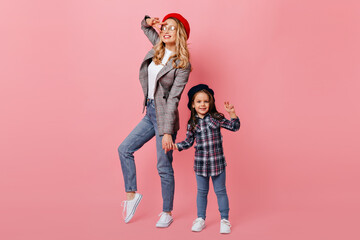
<point x="212" y="110"/>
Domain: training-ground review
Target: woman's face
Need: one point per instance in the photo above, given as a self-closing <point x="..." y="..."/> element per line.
<point x="168" y="32"/>
<point x="201" y="104"/>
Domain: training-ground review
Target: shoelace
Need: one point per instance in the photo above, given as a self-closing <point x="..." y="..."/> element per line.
<point x="226" y="222"/>
<point x="124" y="204"/>
<point x="162" y="213"/>
<point x="197" y="220"/>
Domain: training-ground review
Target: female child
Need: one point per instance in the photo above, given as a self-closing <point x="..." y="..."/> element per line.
<point x="164" y="73"/>
<point x="204" y="127"/>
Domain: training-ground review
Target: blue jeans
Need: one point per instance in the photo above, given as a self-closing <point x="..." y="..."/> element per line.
<point x="142" y="133"/>
<point x="220" y="191"/>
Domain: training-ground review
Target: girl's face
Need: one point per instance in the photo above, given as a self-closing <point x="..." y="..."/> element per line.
<point x="168" y="32"/>
<point x="201" y="104"/>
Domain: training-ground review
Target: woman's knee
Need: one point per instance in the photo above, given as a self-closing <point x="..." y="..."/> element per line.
<point x="165" y="170"/>
<point x="164" y="165"/>
<point x="123" y="149"/>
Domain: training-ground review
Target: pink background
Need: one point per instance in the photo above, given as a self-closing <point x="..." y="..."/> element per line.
<point x="70" y="94"/>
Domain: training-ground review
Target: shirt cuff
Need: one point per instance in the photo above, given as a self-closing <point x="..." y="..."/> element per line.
<point x="179" y="147"/>
<point x="144" y="23"/>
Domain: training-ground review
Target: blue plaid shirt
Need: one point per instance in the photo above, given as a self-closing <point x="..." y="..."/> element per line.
<point x="209" y="155"/>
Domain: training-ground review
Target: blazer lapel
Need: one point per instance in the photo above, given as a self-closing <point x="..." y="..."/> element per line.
<point x="149" y="55"/>
<point x="168" y="66"/>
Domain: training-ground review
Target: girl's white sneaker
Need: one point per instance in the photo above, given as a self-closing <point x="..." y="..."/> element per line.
<point x="198" y="225"/>
<point x="225" y="226"/>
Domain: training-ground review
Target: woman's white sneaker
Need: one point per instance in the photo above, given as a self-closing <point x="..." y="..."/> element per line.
<point x="225" y="226"/>
<point x="165" y="220"/>
<point x="198" y="225"/>
<point x="130" y="207"/>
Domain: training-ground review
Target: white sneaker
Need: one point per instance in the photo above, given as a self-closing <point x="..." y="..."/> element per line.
<point x="198" y="225"/>
<point x="130" y="207"/>
<point x="225" y="226"/>
<point x="165" y="220"/>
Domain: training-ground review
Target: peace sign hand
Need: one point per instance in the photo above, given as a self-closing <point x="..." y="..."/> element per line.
<point x="155" y="22"/>
<point x="229" y="107"/>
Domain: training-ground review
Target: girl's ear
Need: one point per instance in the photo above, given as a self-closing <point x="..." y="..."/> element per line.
<point x="193" y="106"/>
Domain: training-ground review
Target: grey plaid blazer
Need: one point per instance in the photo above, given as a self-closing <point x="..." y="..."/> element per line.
<point x="169" y="85"/>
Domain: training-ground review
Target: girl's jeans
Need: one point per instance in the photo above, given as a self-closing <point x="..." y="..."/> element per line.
<point x="142" y="133"/>
<point x="220" y="191"/>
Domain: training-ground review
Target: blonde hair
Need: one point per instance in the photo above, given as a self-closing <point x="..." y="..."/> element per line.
<point x="181" y="49"/>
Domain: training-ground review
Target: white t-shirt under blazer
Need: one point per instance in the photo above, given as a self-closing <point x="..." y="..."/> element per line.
<point x="153" y="71"/>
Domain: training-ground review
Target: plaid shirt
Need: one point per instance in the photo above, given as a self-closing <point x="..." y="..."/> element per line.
<point x="209" y="156"/>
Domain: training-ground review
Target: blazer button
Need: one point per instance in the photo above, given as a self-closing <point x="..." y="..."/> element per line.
<point x="164" y="97"/>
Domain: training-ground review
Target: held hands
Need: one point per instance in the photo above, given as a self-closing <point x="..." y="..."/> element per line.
<point x="155" y="22"/>
<point x="167" y="143"/>
<point x="230" y="109"/>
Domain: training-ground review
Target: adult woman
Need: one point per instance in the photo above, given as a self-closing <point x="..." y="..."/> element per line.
<point x="164" y="73"/>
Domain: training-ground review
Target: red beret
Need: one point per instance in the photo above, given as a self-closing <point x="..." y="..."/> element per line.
<point x="181" y="19"/>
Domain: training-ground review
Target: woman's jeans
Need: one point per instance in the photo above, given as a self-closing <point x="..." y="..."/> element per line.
<point x="220" y="191"/>
<point x="142" y="133"/>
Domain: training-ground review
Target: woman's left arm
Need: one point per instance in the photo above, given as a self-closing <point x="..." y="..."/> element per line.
<point x="181" y="79"/>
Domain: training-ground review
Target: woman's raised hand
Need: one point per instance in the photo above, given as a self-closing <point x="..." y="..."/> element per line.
<point x="155" y="22"/>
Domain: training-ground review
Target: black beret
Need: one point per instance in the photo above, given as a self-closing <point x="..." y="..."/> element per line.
<point x="196" y="89"/>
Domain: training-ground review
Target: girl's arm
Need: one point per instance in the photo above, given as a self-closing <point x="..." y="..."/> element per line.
<point x="147" y="25"/>
<point x="188" y="142"/>
<point x="232" y="125"/>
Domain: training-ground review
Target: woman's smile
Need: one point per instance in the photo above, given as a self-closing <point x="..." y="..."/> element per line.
<point x="168" y="32"/>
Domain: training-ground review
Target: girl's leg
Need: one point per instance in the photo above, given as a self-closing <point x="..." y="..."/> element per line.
<point x="202" y="193"/>
<point x="222" y="198"/>
<point x="141" y="134"/>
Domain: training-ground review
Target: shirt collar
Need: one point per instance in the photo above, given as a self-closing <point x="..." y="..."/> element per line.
<point x="207" y="115"/>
